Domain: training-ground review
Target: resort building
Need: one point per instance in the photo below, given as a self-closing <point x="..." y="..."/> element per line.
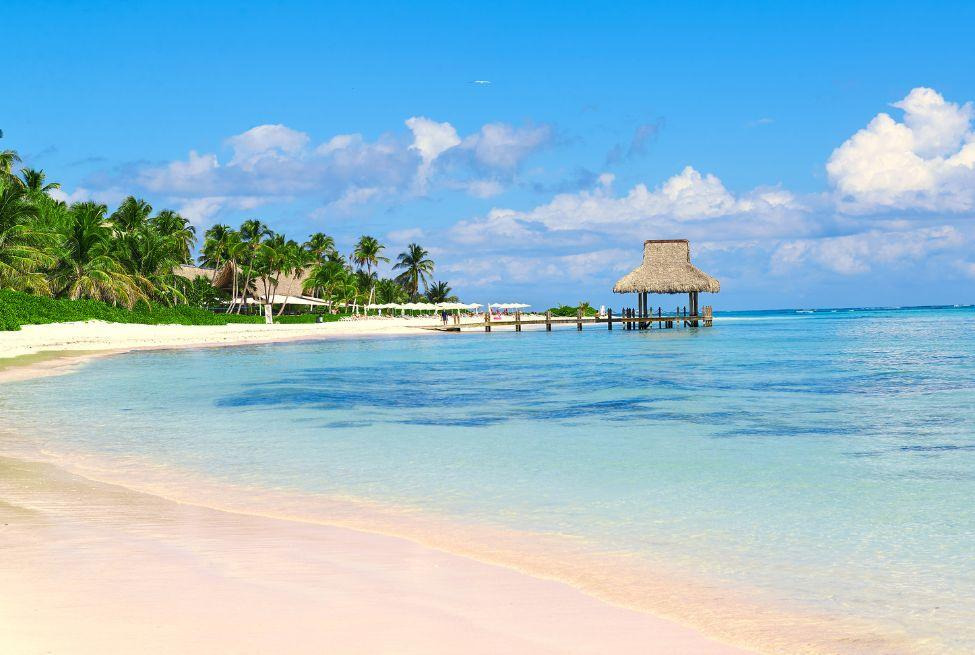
<point x="289" y="289"/>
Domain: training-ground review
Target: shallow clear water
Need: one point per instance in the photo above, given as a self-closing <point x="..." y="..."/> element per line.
<point x="824" y="460"/>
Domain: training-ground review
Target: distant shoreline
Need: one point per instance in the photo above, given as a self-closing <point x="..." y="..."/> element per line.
<point x="56" y="348"/>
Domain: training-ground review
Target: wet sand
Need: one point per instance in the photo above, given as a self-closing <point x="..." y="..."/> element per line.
<point x="90" y="567"/>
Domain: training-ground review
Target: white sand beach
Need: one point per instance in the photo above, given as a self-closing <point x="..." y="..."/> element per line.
<point x="101" y="335"/>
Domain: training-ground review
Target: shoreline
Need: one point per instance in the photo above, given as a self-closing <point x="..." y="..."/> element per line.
<point x="36" y="584"/>
<point x="52" y="600"/>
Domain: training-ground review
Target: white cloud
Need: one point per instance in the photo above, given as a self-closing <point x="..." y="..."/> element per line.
<point x="501" y="146"/>
<point x="111" y="196"/>
<point x="926" y="162"/>
<point x="405" y="236"/>
<point x="275" y="142"/>
<point x="431" y="139"/>
<point x="345" y="171"/>
<point x="674" y="207"/>
<point x="200" y="211"/>
<point x="354" y="197"/>
<point x="858" y="253"/>
<point x="197" y="173"/>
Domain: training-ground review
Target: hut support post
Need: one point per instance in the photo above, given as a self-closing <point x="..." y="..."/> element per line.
<point x="643" y="312"/>
<point x="517" y="320"/>
<point x="692" y="300"/>
<point x="548" y="321"/>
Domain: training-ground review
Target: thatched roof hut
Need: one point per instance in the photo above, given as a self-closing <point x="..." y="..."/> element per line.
<point x="667" y="268"/>
<point x="288" y="286"/>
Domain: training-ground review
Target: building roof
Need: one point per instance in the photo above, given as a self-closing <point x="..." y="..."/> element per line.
<point x="288" y="285"/>
<point x="666" y="268"/>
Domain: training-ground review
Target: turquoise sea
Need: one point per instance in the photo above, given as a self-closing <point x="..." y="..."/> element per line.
<point x="820" y="463"/>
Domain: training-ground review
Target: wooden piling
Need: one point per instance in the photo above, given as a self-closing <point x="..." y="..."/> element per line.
<point x="548" y="321"/>
<point x="579" y="319"/>
<point x="517" y="320"/>
<point x="609" y="318"/>
<point x="487" y="320"/>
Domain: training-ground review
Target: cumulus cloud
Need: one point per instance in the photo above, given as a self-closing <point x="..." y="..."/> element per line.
<point x="926" y="162"/>
<point x="346" y="170"/>
<point x="858" y="253"/>
<point x="431" y="139"/>
<point x="110" y="196"/>
<point x="668" y="210"/>
<point x="274" y="142"/>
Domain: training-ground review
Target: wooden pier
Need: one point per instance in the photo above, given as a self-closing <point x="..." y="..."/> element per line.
<point x="629" y="319"/>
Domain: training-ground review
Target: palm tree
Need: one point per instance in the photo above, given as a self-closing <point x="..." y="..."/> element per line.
<point x="178" y="229"/>
<point x="320" y="246"/>
<point x="440" y="292"/>
<point x="132" y="214"/>
<point x="416" y="267"/>
<point x="215" y="247"/>
<point x="388" y="291"/>
<point x="367" y="253"/>
<point x="7" y="160"/>
<point x="33" y="180"/>
<point x="235" y="251"/>
<point x="269" y="262"/>
<point x="87" y="268"/>
<point x="151" y="258"/>
<point x="26" y="246"/>
<point x="329" y="280"/>
<point x="252" y="233"/>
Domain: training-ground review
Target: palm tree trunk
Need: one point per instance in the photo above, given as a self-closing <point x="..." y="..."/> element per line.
<point x="245" y="291"/>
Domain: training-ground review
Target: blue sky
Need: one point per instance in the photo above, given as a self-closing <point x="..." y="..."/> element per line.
<point x="816" y="155"/>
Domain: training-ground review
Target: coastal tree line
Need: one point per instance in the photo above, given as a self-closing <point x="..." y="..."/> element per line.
<point x="132" y="255"/>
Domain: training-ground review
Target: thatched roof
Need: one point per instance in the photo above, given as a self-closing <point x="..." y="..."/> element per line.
<point x="667" y="268"/>
<point x="219" y="278"/>
<point x="193" y="272"/>
<point x="288" y="285"/>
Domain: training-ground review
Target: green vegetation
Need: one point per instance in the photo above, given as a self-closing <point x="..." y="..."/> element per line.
<point x="18" y="308"/>
<point x="123" y="266"/>
<point x="569" y="310"/>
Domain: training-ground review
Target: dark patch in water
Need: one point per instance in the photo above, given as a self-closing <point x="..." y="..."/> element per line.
<point x="936" y="448"/>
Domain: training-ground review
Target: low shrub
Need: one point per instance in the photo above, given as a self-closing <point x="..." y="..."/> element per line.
<point x="570" y="310"/>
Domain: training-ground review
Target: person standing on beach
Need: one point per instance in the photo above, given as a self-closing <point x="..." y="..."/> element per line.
<point x="443" y="316"/>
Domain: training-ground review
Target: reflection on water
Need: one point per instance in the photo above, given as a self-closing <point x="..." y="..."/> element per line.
<point x="824" y="461"/>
